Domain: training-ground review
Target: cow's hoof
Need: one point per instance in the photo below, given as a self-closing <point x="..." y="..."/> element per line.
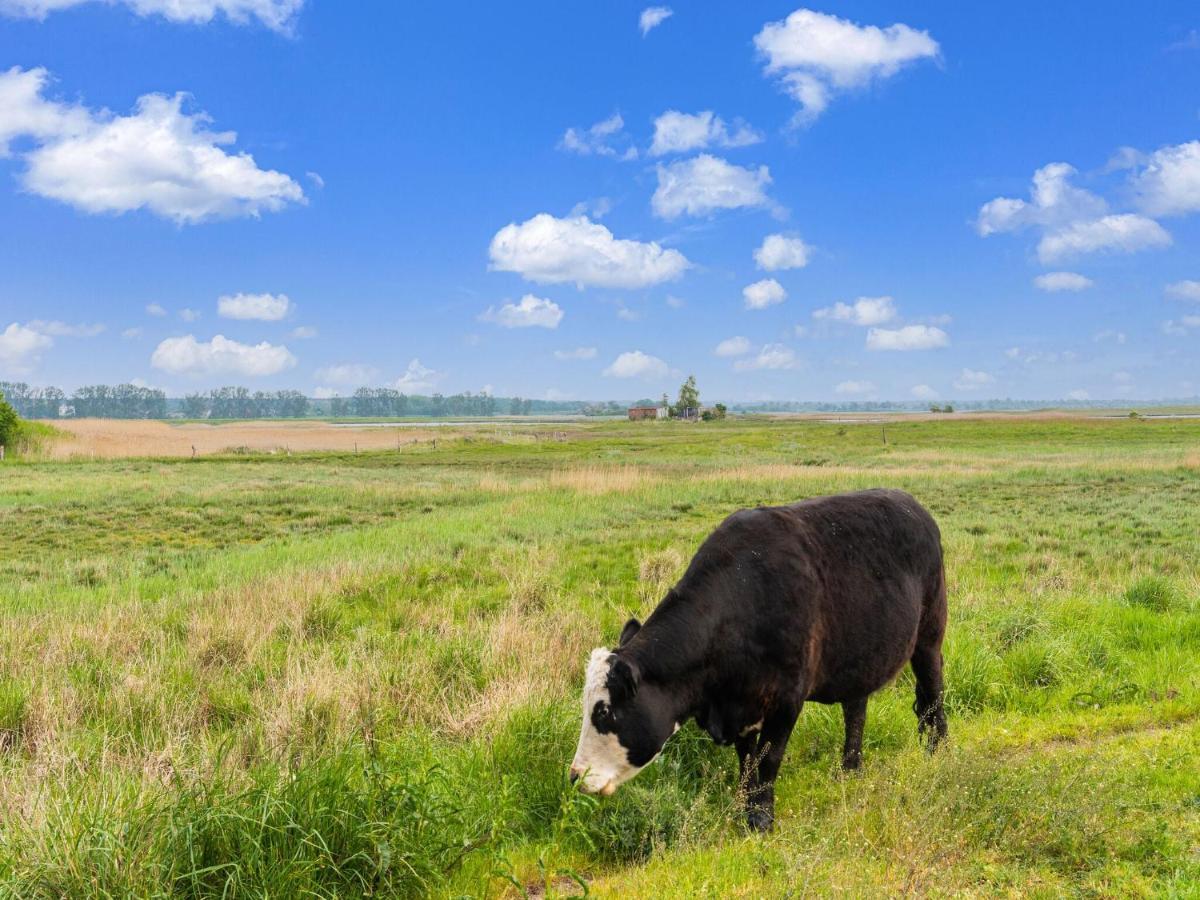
<point x="760" y="820"/>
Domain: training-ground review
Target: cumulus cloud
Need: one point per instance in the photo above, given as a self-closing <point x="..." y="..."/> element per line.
<point x="21" y="348"/>
<point x="130" y="334"/>
<point x="303" y="332"/>
<point x="1184" y="290"/>
<point x="772" y="356"/>
<point x="606" y="138"/>
<point x="1055" y="282"/>
<point x="65" y="329"/>
<point x="1169" y="182"/>
<point x="156" y="310"/>
<point x="779" y="251"/>
<point x="260" y="307"/>
<point x="734" y="346"/>
<point x="576" y="353"/>
<point x="417" y="378"/>
<point x="855" y="387"/>
<point x="1108" y="334"/>
<point x="188" y="315"/>
<point x="816" y="56"/>
<point x="652" y="17"/>
<point x="220" y="356"/>
<point x="1073" y="221"/>
<point x="529" y="312"/>
<point x="278" y="15"/>
<point x="348" y="374"/>
<point x="679" y="132"/>
<point x="704" y="184"/>
<point x="972" y="380"/>
<point x="1126" y="233"/>
<point x="910" y="337"/>
<point x="549" y="250"/>
<point x="762" y="294"/>
<point x="923" y="392"/>
<point x="636" y="364"/>
<point x="864" y="311"/>
<point x="159" y="158"/>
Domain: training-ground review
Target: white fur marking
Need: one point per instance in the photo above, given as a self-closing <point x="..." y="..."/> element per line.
<point x="600" y="760"/>
<point x="757" y="726"/>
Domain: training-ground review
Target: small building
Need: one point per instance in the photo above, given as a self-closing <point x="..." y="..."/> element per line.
<point x="637" y="413"/>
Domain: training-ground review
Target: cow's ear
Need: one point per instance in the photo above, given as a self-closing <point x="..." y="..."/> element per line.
<point x="632" y="627"/>
<point x="622" y="680"/>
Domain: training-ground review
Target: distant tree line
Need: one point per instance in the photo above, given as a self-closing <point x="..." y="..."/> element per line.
<point x="239" y="403"/>
<point x="121" y="401"/>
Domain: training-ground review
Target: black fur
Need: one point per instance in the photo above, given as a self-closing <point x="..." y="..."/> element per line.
<point x="823" y="600"/>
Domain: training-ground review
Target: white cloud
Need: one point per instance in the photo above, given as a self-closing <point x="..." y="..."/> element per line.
<point x="21" y="348"/>
<point x="1073" y="221"/>
<point x="158" y="158"/>
<point x="64" y="329"/>
<point x="1125" y="233"/>
<point x="1109" y="334"/>
<point x="130" y="333"/>
<point x="1079" y="395"/>
<point x="549" y="250"/>
<point x="278" y="15"/>
<point x="678" y="132"/>
<point x="910" y="337"/>
<point x="154" y="309"/>
<point x="530" y="312"/>
<point x="762" y="294"/>
<point x="816" y="55"/>
<point x="1062" y="281"/>
<point x="855" y="387"/>
<point x="864" y="311"/>
<point x="625" y="314"/>
<point x="1184" y="290"/>
<point x="303" y="332"/>
<point x="675" y="302"/>
<point x="734" y="346"/>
<point x="325" y="393"/>
<point x="705" y="184"/>
<point x="315" y="178"/>
<point x="188" y="315"/>
<point x="417" y="378"/>
<point x="353" y="374"/>
<point x="576" y="353"/>
<point x="923" y="392"/>
<point x="606" y="138"/>
<point x="778" y="251"/>
<point x="1169" y="183"/>
<point x="973" y="379"/>
<point x="636" y="364"/>
<point x="220" y="356"/>
<point x="259" y="307"/>
<point x="652" y="17"/>
<point x="772" y="356"/>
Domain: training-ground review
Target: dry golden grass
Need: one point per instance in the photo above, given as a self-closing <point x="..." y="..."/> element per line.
<point x="117" y="438"/>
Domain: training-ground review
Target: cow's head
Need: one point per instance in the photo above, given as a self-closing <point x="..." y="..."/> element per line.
<point x="625" y="722"/>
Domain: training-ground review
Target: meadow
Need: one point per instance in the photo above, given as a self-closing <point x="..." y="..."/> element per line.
<point x="358" y="674"/>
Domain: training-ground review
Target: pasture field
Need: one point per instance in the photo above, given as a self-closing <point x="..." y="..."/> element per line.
<point x="358" y="674"/>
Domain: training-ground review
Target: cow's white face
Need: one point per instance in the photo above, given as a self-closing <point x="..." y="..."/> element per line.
<point x="601" y="764"/>
<point x="625" y="724"/>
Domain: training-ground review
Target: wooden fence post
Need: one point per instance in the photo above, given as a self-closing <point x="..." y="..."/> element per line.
<point x="1" y="453"/>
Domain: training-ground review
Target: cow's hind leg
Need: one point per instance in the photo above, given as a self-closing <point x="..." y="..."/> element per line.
<point x="854" y="712"/>
<point x="931" y="717"/>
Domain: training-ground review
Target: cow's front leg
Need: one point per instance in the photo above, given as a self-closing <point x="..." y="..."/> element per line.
<point x="764" y="763"/>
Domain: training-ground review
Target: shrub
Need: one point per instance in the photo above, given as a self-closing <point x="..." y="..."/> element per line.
<point x="1153" y="593"/>
<point x="10" y="423"/>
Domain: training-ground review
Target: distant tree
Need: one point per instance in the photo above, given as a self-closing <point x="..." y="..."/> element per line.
<point x="689" y="396"/>
<point x="719" y="411"/>
<point x="195" y="406"/>
<point x="10" y="423"/>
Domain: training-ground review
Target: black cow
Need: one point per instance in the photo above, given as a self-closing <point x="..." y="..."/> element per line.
<point x="823" y="600"/>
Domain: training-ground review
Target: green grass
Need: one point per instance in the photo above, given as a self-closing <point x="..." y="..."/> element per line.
<point x="352" y="675"/>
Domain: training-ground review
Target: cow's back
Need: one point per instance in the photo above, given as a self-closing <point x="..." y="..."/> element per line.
<point x="827" y="595"/>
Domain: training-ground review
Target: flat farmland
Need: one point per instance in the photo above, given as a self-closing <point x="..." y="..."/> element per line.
<point x="321" y="672"/>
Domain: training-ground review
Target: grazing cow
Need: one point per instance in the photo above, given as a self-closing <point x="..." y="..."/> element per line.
<point x="823" y="600"/>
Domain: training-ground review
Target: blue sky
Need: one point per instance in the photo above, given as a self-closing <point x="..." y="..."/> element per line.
<point x="545" y="199"/>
